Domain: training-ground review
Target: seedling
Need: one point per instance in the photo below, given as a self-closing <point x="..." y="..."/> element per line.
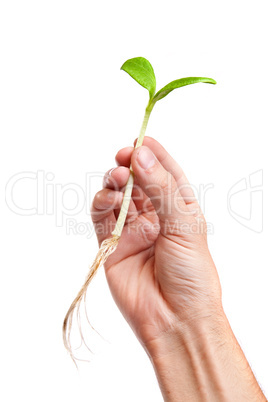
<point x="140" y="70"/>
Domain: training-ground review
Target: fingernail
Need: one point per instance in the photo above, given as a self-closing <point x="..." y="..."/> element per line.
<point x="146" y="158"/>
<point x="106" y="179"/>
<point x="110" y="171"/>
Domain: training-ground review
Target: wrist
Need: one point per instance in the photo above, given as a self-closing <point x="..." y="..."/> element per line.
<point x="183" y="333"/>
<point x="201" y="360"/>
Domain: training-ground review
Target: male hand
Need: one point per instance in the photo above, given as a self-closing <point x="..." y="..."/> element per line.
<point x="165" y="283"/>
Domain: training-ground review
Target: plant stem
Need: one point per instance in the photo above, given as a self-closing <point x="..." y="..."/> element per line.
<point x="129" y="186"/>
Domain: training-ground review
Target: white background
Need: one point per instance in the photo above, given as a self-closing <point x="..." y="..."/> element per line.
<point x="66" y="109"/>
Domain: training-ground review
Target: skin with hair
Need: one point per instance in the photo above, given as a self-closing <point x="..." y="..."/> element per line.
<point x="164" y="281"/>
<point x="161" y="273"/>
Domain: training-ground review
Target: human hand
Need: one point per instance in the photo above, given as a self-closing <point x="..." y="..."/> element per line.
<point x="165" y="283"/>
<point x="162" y="272"/>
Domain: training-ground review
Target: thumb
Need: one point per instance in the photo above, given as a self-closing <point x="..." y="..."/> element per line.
<point x="160" y="186"/>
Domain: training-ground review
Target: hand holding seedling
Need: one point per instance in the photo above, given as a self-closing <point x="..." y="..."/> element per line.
<point x="164" y="281"/>
<point x="161" y="273"/>
<point x="141" y="70"/>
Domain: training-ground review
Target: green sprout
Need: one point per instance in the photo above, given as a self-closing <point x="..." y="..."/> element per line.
<point x="141" y="70"/>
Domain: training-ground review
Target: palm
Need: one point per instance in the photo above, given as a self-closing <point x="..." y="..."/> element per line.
<point x="146" y="278"/>
<point x="140" y="286"/>
<point x="130" y="273"/>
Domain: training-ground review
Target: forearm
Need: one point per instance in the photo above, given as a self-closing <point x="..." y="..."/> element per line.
<point x="202" y="361"/>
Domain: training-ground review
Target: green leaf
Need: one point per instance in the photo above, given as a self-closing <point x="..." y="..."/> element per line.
<point x="177" y="84"/>
<point x="141" y="70"/>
